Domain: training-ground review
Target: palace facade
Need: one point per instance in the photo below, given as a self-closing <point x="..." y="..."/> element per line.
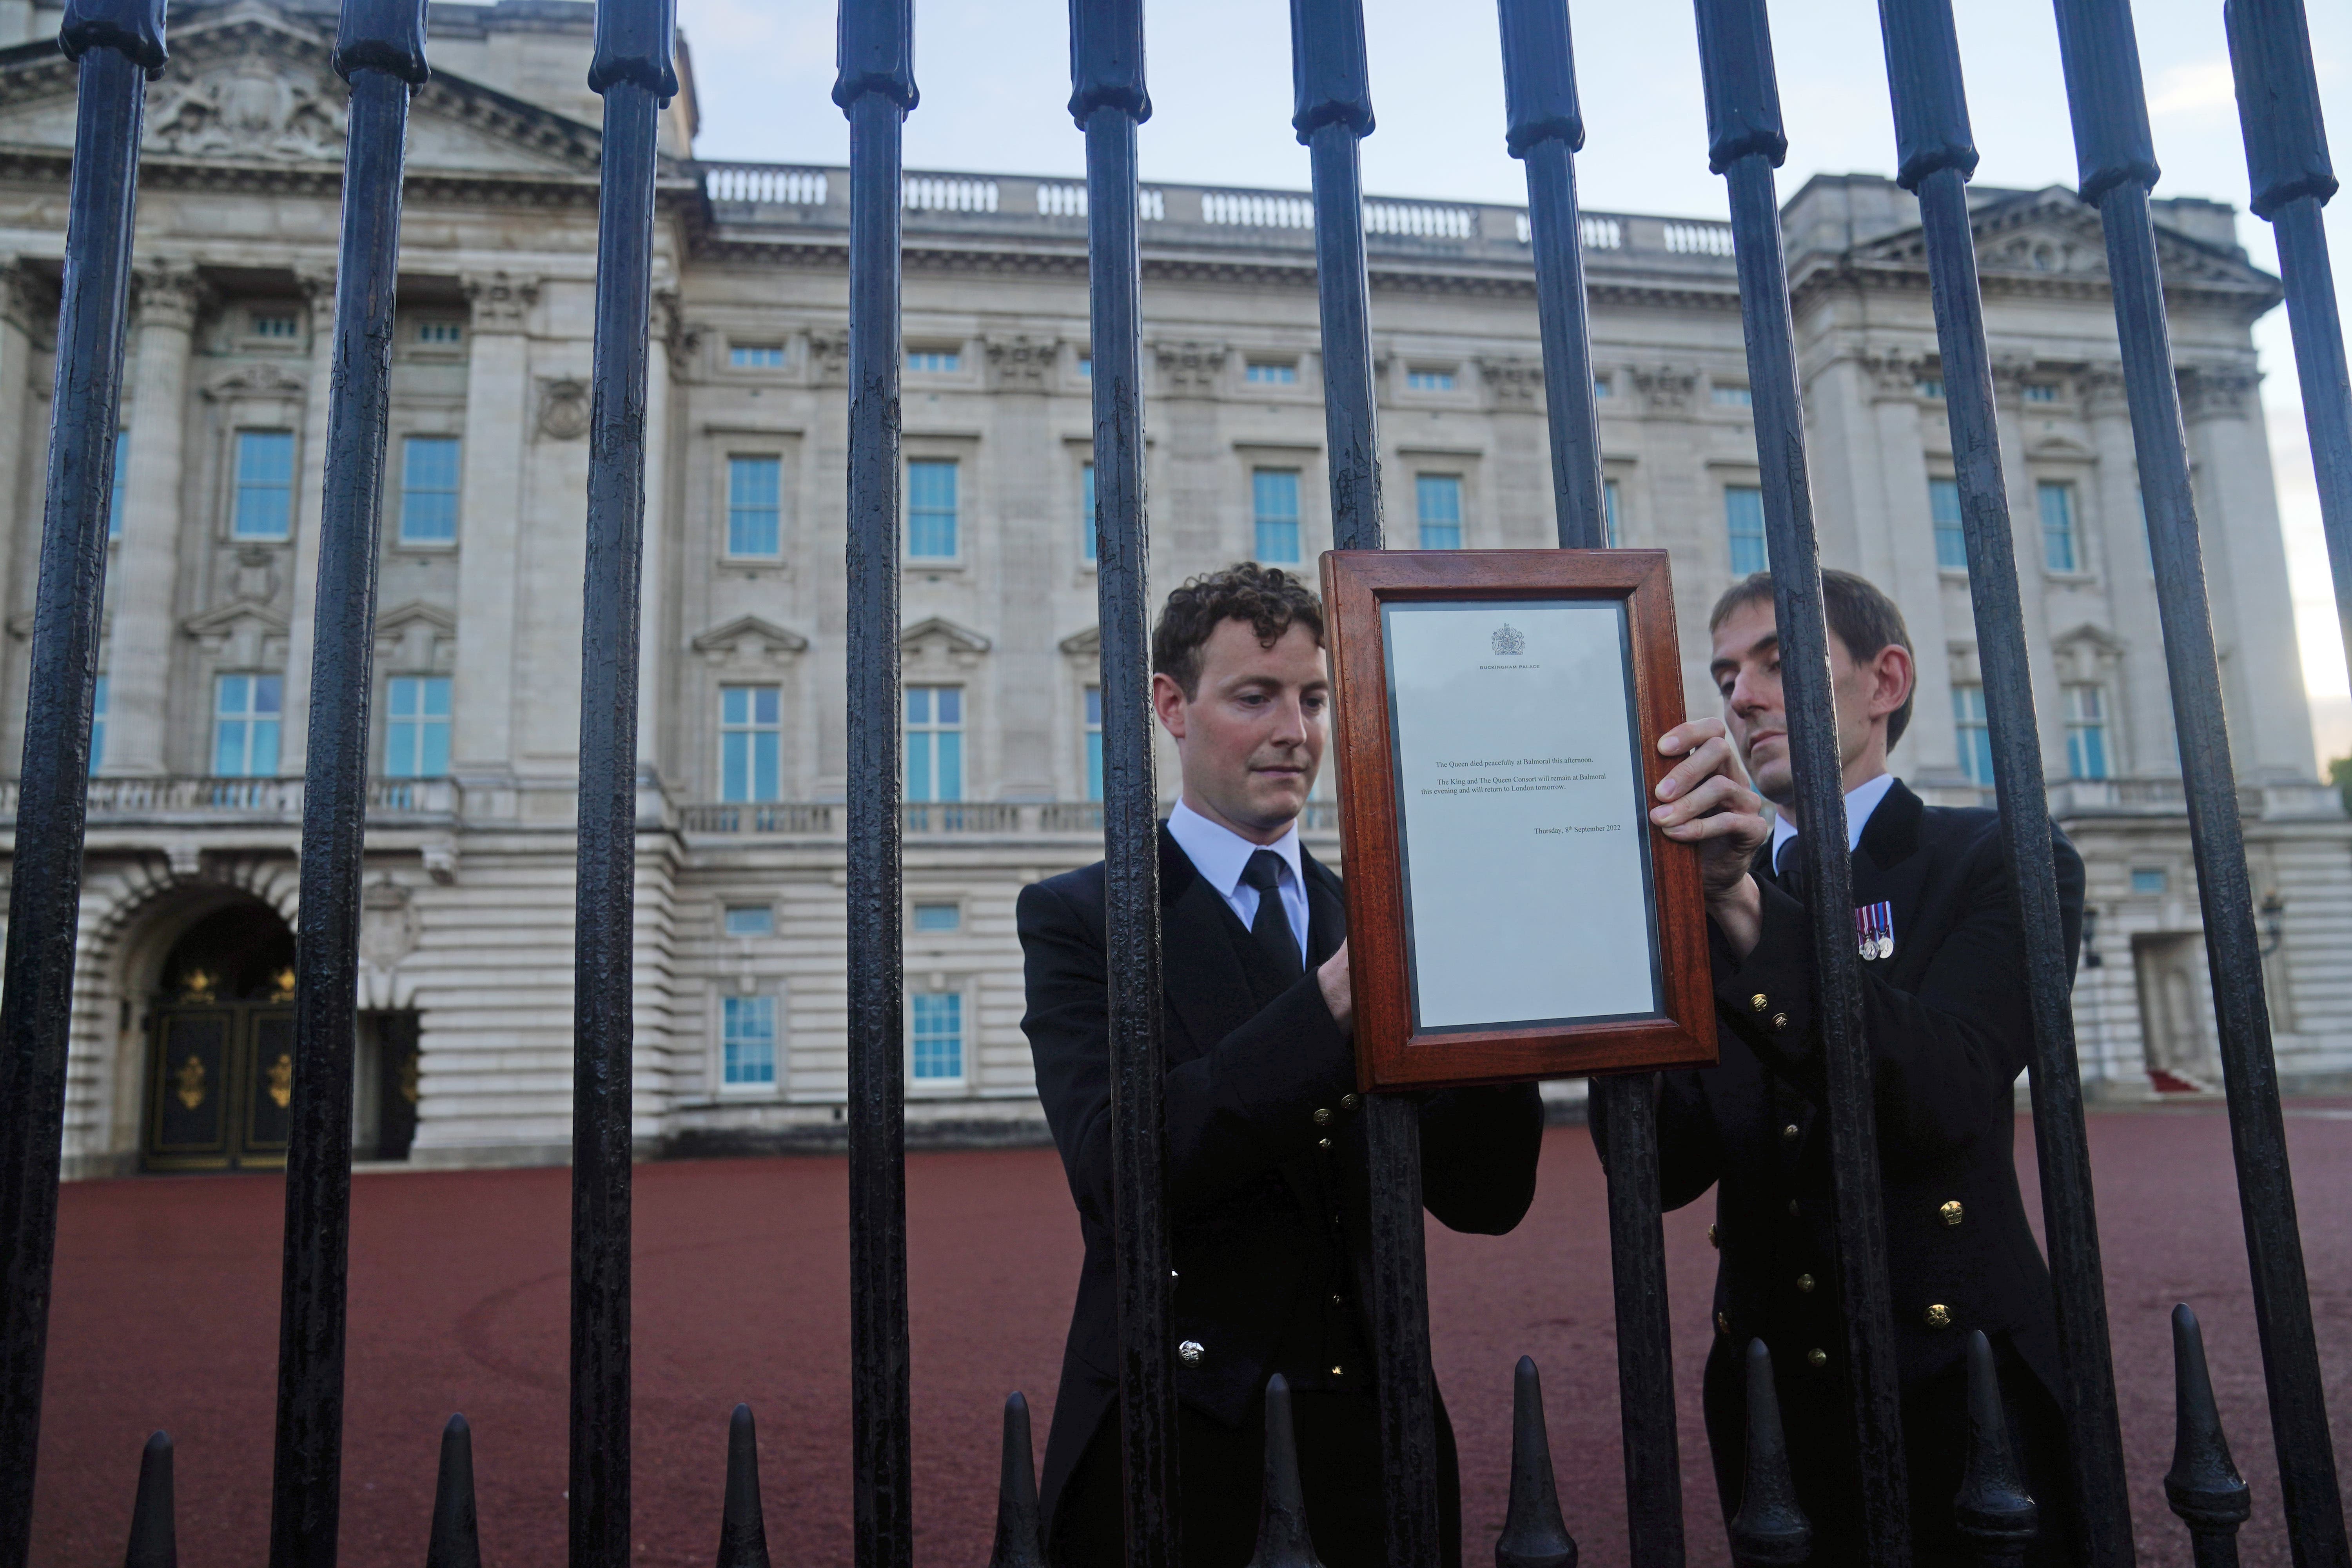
<point x="181" y="1014"/>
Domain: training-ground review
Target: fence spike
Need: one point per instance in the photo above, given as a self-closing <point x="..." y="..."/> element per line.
<point x="1771" y="1530"/>
<point x="1534" y="1535"/>
<point x="2204" y="1485"/>
<point x="455" y="1543"/>
<point x="1995" y="1513"/>
<point x="742" y="1526"/>
<point x="1282" y="1537"/>
<point x="154" y="1540"/>
<point x="1019" y="1541"/>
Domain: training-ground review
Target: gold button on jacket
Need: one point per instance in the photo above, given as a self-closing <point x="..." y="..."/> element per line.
<point x="1940" y="1316"/>
<point x="1817" y="1359"/>
<point x="1804" y="1282"/>
<point x="1950" y="1213"/>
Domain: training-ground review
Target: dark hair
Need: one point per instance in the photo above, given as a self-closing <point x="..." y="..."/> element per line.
<point x="1270" y="599"/>
<point x="1862" y="617"/>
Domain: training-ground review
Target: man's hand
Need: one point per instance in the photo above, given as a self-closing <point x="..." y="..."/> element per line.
<point x="1333" y="975"/>
<point x="1707" y="803"/>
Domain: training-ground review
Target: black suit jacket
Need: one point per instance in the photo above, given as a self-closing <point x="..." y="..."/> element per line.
<point x="1264" y="1225"/>
<point x="1948" y="1029"/>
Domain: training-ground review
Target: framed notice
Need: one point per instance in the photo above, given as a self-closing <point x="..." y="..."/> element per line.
<point x="1511" y="912"/>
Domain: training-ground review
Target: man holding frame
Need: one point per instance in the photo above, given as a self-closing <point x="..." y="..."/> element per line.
<point x="1945" y="1013"/>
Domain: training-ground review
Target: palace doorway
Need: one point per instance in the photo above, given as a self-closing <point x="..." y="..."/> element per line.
<point x="221" y="1057"/>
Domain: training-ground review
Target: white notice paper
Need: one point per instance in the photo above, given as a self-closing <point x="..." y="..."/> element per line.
<point x="1521" y="799"/>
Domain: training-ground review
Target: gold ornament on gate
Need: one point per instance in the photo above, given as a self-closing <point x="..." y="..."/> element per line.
<point x="190" y="1082"/>
<point x="281" y="1081"/>
<point x="196" y="985"/>
<point x="283" y="986"/>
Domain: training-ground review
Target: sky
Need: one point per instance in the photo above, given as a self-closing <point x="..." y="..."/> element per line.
<point x="994" y="78"/>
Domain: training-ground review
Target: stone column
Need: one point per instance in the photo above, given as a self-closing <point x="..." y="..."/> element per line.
<point x="2032" y="565"/>
<point x="658" y="574"/>
<point x="310" y="491"/>
<point x="22" y="298"/>
<point x="1025" y="469"/>
<point x="147" y="557"/>
<point x="498" y="429"/>
<point x="2147" y="746"/>
<point x="2246" y="575"/>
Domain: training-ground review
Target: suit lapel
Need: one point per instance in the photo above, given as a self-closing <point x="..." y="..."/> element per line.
<point x="1327" y="909"/>
<point x="1890" y="868"/>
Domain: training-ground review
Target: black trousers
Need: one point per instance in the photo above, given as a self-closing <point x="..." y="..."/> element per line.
<point x="1222" y="1470"/>
<point x="1817" y="1415"/>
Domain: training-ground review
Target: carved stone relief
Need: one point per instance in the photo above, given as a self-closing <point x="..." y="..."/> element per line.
<point x="502" y="300"/>
<point x="562" y="408"/>
<point x="828" y="350"/>
<point x="1513" y="382"/>
<point x="388" y="923"/>
<point x="1021" y="364"/>
<point x="1189" y="369"/>
<point x="2217" y="392"/>
<point x="1664" y="389"/>
<point x="168" y="295"/>
<point x="251" y="110"/>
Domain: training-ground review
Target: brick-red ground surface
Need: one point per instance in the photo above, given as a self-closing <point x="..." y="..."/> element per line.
<point x="166" y="1310"/>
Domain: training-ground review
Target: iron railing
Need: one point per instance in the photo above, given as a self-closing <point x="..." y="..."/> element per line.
<point x="118" y="43"/>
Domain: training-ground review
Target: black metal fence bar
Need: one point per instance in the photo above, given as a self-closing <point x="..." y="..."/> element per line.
<point x="632" y="69"/>
<point x="2291" y="178"/>
<point x="1936" y="154"/>
<point x="2116" y="164"/>
<point x="876" y="88"/>
<point x="380" y="51"/>
<point x="1545" y="129"/>
<point x="118" y="44"/>
<point x="1746" y="143"/>
<point x="1108" y="98"/>
<point x="1332" y="114"/>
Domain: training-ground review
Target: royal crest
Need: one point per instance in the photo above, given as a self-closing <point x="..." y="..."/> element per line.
<point x="1510" y="640"/>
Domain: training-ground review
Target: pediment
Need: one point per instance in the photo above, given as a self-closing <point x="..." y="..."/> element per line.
<point x="224" y="620"/>
<point x="748" y="638"/>
<point x="1086" y="644"/>
<point x="249" y="85"/>
<point x="938" y="630"/>
<point x="415" y="612"/>
<point x="2050" y="238"/>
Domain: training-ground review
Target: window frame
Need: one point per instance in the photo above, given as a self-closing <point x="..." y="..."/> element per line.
<point x="1261" y="518"/>
<point x="2077" y="562"/>
<point x="239" y="485"/>
<point x="753" y="728"/>
<point x="772" y="1004"/>
<point x="1425" y="485"/>
<point x="1972" y="757"/>
<point x="1270" y="372"/>
<point x="2097" y="727"/>
<point x="728" y="910"/>
<point x="732" y="507"/>
<point x="252" y="717"/>
<point x="954" y="991"/>
<point x="455" y="492"/>
<point x="954" y="554"/>
<point x="929" y="728"/>
<point x="1952" y="532"/>
<point x="423" y="720"/>
<point x="933" y="360"/>
<point x="740" y="355"/>
<point x="1734" y="537"/>
<point x="1090" y="734"/>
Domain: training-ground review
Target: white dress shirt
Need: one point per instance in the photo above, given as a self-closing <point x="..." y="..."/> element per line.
<point x="1860" y="802"/>
<point x="1220" y="855"/>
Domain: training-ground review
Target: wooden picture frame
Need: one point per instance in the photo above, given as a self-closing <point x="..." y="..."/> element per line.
<point x="1495" y="828"/>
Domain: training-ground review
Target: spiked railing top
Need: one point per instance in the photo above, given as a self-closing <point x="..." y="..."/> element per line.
<point x="1931" y="102"/>
<point x="1107" y="58"/>
<point x="2104" y="95"/>
<point x="1743" y="93"/>
<point x="382" y="35"/>
<point x="1539" y="76"/>
<point x="2203" y="1486"/>
<point x="1328" y="68"/>
<point x="2278" y="103"/>
<point x="134" y="28"/>
<point x="634" y="38"/>
<point x="874" y="52"/>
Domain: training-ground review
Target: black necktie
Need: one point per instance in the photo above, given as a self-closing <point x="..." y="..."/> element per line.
<point x="1271" y="929"/>
<point x="1790" y="873"/>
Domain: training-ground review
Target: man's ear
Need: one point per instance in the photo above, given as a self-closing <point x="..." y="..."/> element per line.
<point x="1168" y="702"/>
<point x="1893" y="678"/>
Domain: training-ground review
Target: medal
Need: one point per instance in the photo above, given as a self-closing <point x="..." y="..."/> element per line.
<point x="1874" y="931"/>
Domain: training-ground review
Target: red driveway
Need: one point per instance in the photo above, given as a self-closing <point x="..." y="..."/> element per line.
<point x="167" y="1302"/>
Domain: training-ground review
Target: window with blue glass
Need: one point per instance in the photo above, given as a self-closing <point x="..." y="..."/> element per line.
<point x="1274" y="502"/>
<point x="2148" y="879"/>
<point x="751" y="742"/>
<point x="1086" y="509"/>
<point x="1731" y="396"/>
<point x="750" y="919"/>
<point x="1609" y="512"/>
<point x="935" y="1020"/>
<point x="755" y="356"/>
<point x="2058" y="551"/>
<point x="416" y="727"/>
<point x="1429" y="380"/>
<point x="747" y="1041"/>
<point x="1094" y="743"/>
<point x="121" y="479"/>
<point x="938" y="918"/>
<point x="932" y="509"/>
<point x="1975" y="737"/>
<point x="98" y="726"/>
<point x="2087" y="732"/>
<point x="247" y="712"/>
<point x="934" y="361"/>
<point x="428" y="489"/>
<point x="1951" y="539"/>
<point x="1438" y="499"/>
<point x="754" y="505"/>
<point x="1743" y="520"/>
<point x="934" y="743"/>
<point x="1270" y="372"/>
<point x="264" y="484"/>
